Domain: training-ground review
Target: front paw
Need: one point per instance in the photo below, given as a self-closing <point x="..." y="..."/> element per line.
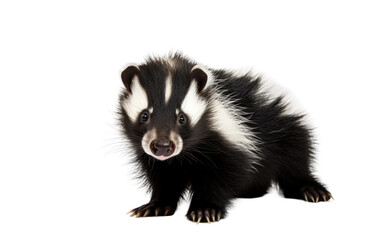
<point x="315" y="193"/>
<point x="153" y="209"/>
<point x="204" y="215"/>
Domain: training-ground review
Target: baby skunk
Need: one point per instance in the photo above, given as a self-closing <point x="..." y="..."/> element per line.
<point x="217" y="134"/>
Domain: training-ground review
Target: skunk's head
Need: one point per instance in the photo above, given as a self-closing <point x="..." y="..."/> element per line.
<point x="164" y="105"/>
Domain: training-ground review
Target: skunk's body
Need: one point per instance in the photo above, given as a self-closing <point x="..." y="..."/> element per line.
<point x="220" y="135"/>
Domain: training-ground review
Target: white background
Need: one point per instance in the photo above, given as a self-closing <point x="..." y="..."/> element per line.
<point x="64" y="173"/>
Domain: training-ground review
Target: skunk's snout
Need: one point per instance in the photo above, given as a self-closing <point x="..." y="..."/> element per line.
<point x="162" y="147"/>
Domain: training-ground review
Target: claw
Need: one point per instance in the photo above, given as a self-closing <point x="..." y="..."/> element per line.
<point x="306" y="197"/>
<point x="311" y="197"/>
<point x="167" y="210"/>
<point x="138" y="214"/>
<point x="131" y="212"/>
<point x="315" y="195"/>
<point x="330" y="196"/>
<point x="219" y="216"/>
<point x="207" y="215"/>
<point x="193" y="216"/>
<point x="213" y="215"/>
<point x="146" y="213"/>
<point x="322" y="194"/>
<point x="200" y="215"/>
<point x="157" y="211"/>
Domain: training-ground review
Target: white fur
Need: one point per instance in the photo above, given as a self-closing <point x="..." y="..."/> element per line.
<point x="171" y="62"/>
<point x="193" y="105"/>
<point x="137" y="100"/>
<point x="148" y="137"/>
<point x="168" y="88"/>
<point x="273" y="90"/>
<point x="177" y="139"/>
<point x="228" y="120"/>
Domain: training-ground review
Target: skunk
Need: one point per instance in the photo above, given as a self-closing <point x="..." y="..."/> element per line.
<point x="215" y="134"/>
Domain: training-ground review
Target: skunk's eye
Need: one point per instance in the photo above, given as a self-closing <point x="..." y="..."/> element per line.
<point x="144" y="116"/>
<point x="182" y="119"/>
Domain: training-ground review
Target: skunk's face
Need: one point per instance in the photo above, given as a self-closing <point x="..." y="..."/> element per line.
<point x="163" y="107"/>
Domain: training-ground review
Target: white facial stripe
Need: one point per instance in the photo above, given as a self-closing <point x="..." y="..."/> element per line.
<point x="178" y="143"/>
<point x="193" y="105"/>
<point x="137" y="101"/>
<point x="168" y="88"/>
<point x="147" y="139"/>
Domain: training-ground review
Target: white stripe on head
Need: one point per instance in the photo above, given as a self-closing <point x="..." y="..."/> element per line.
<point x="177" y="139"/>
<point x="193" y="105"/>
<point x="171" y="62"/>
<point x="137" y="101"/>
<point x="168" y="88"/>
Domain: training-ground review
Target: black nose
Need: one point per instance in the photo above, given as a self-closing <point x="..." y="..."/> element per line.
<point x="162" y="147"/>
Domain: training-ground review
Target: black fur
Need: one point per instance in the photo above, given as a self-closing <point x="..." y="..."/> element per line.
<point x="212" y="169"/>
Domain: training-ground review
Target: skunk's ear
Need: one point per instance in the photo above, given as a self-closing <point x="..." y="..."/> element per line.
<point x="202" y="76"/>
<point x="128" y="75"/>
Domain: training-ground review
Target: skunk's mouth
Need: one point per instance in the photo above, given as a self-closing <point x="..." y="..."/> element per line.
<point x="162" y="158"/>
